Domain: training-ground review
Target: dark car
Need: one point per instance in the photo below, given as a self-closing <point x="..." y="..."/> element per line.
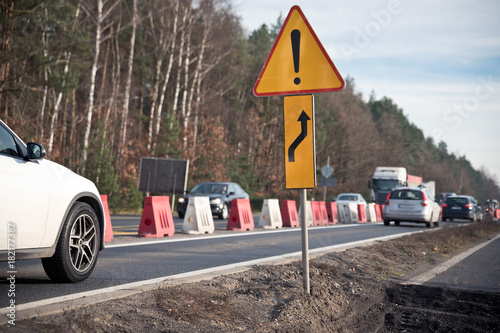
<point x="220" y="194"/>
<point x="461" y="207"/>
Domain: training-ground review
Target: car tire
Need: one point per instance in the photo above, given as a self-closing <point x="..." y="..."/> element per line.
<point x="436" y="224"/>
<point x="78" y="246"/>
<point x="224" y="213"/>
<point x="397" y="223"/>
<point x="387" y="222"/>
<point x="428" y="224"/>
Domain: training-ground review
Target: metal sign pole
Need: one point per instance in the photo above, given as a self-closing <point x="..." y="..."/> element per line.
<point x="305" y="241"/>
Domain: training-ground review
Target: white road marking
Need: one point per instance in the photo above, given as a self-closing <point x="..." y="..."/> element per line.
<point x="423" y="278"/>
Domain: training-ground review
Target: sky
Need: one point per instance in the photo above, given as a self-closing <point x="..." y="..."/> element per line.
<point x="439" y="61"/>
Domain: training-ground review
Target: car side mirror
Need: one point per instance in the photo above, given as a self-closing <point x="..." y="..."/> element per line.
<point x="231" y="193"/>
<point x="35" y="151"/>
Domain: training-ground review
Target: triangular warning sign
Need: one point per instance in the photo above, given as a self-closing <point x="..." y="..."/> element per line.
<point x="298" y="63"/>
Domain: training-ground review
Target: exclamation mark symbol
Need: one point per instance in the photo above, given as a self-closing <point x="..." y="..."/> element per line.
<point x="295" y="35"/>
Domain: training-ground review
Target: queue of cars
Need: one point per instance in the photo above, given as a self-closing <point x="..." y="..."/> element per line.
<point x="418" y="205"/>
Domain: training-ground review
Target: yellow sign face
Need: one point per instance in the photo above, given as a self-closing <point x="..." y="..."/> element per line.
<point x="298" y="63"/>
<point x="300" y="157"/>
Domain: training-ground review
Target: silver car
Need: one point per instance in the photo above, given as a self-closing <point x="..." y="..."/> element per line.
<point x="411" y="204"/>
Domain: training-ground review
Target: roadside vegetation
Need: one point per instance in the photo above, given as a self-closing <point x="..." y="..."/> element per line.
<point x="99" y="88"/>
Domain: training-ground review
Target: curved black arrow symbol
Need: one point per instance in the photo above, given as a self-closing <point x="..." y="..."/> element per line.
<point x="303" y="118"/>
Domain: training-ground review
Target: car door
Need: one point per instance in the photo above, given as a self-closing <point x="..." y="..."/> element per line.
<point x="24" y="195"/>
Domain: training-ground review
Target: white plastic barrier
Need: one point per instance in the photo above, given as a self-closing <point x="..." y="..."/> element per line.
<point x="348" y="212"/>
<point x="353" y="210"/>
<point x="198" y="218"/>
<point x="309" y="214"/>
<point x="371" y="215"/>
<point x="270" y="216"/>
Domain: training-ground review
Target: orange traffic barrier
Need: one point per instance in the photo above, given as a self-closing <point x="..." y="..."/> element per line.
<point x="324" y="213"/>
<point x="108" y="234"/>
<point x="240" y="218"/>
<point x="361" y="213"/>
<point x="331" y="209"/>
<point x="289" y="214"/>
<point x="382" y="208"/>
<point x="378" y="212"/>
<point x="316" y="212"/>
<point x="156" y="220"/>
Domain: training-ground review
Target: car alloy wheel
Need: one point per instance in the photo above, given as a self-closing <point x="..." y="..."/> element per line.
<point x="82" y="246"/>
<point x="78" y="246"/>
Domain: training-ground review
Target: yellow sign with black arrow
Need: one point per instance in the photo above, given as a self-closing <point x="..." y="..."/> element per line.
<point x="299" y="142"/>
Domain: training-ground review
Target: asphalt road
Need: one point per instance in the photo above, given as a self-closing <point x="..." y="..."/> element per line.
<point x="478" y="271"/>
<point x="124" y="262"/>
<point x="130" y="259"/>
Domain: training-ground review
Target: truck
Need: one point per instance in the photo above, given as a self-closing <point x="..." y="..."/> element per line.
<point x="386" y="178"/>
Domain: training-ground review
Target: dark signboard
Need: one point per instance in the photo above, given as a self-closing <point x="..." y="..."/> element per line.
<point x="163" y="175"/>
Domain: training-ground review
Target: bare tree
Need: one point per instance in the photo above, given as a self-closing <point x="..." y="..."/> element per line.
<point x="128" y="83"/>
<point x="99" y="26"/>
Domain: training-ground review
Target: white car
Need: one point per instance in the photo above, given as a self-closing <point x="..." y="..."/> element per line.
<point x="47" y="211"/>
<point x="351" y="197"/>
<point x="411" y="204"/>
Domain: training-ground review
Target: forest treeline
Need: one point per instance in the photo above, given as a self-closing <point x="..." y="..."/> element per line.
<point x="101" y="83"/>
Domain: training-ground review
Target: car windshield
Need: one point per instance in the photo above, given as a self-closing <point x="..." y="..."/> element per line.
<point x="210" y="189"/>
<point x="406" y="195"/>
<point x="457" y="201"/>
<point x="348" y="197"/>
<point x="384" y="184"/>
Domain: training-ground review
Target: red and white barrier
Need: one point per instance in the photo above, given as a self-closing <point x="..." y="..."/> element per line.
<point x="362" y="213"/>
<point x="331" y="209"/>
<point x="324" y="213"/>
<point x="156" y="220"/>
<point x="289" y="214"/>
<point x="240" y="217"/>
<point x="316" y="213"/>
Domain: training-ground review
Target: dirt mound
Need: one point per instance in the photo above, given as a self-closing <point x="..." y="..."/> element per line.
<point x="357" y="290"/>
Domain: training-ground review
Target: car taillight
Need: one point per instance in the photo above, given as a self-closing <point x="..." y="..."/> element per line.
<point x="468" y="206"/>
<point x="444" y="205"/>
<point x="424" y="200"/>
<point x="387" y="199"/>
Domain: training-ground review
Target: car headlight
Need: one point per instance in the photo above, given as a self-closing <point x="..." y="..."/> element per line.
<point x="215" y="201"/>
<point x="181" y="200"/>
